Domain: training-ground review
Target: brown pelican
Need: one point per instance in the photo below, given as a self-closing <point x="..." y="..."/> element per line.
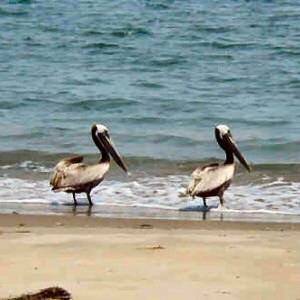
<point x="213" y="179"/>
<point x="73" y="176"/>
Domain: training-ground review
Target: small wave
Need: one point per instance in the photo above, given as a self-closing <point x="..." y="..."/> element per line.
<point x="258" y="122"/>
<point x="286" y="53"/>
<point x="18" y="13"/>
<point x="130" y="32"/>
<point x="293" y="84"/>
<point x="158" y="5"/>
<point x="30" y="101"/>
<point x="164" y="62"/>
<point x="25" y="136"/>
<point x="292" y="147"/>
<point x="120" y="33"/>
<point x="101" y="104"/>
<point x="218" y="56"/>
<point x="76" y="82"/>
<point x="32" y="42"/>
<point x="147" y="84"/>
<point x="212" y="29"/>
<point x="292" y="168"/>
<point x="93" y="32"/>
<point x="144" y="120"/>
<point x="37" y="160"/>
<point x="9" y="105"/>
<point x="28" y="166"/>
<point x="98" y="80"/>
<point x="42" y="158"/>
<point x="285" y="17"/>
<point x="100" y="46"/>
<point x="219" y="45"/>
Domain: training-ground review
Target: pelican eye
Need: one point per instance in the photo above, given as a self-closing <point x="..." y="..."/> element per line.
<point x="106" y="134"/>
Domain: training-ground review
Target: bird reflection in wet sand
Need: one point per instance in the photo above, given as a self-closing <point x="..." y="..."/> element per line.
<point x="73" y="176"/>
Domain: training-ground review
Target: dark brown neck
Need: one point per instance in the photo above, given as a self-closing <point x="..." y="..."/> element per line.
<point x="104" y="154"/>
<point x="229" y="155"/>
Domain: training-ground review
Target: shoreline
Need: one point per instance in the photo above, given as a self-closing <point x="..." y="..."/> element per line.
<point x="46" y="221"/>
<point x="189" y="213"/>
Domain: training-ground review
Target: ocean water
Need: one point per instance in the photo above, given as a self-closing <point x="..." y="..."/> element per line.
<point x="160" y="75"/>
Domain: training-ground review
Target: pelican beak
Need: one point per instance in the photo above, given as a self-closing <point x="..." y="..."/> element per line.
<point x="106" y="142"/>
<point x="236" y="151"/>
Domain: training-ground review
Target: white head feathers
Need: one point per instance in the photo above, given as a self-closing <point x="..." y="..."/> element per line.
<point x="101" y="128"/>
<point x="224" y="129"/>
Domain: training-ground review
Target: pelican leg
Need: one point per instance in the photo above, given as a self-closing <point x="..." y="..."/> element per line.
<point x="74" y="198"/>
<point x="89" y="198"/>
<point x="204" y="203"/>
<point x="221" y="200"/>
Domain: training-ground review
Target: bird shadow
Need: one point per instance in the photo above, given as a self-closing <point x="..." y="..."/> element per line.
<point x="198" y="208"/>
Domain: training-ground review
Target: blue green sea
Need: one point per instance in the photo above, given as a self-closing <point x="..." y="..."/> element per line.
<point x="160" y="74"/>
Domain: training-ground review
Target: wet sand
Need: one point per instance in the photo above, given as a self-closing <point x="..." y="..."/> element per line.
<point x="114" y="258"/>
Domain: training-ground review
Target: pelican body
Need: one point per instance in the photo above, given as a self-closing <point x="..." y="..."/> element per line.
<point x="73" y="176"/>
<point x="213" y="179"/>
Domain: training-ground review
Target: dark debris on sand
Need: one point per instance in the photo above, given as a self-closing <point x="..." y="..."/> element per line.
<point x="46" y="294"/>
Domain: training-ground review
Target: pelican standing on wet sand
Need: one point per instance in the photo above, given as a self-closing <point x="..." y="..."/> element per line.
<point x="73" y="176"/>
<point x="213" y="179"/>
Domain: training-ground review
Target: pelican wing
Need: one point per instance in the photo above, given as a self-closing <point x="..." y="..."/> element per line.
<point x="210" y="177"/>
<point x="78" y="175"/>
<point x="61" y="167"/>
<point x="66" y="162"/>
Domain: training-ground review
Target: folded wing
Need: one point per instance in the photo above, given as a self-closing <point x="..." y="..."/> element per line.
<point x="71" y="174"/>
<point x="210" y="177"/>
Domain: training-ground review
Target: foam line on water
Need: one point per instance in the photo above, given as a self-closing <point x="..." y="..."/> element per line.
<point x="160" y="192"/>
<point x="259" y="211"/>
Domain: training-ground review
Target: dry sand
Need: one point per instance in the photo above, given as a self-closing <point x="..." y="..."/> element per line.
<point x="96" y="258"/>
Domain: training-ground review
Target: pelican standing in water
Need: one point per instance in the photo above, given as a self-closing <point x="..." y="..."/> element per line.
<point x="73" y="176"/>
<point x="213" y="179"/>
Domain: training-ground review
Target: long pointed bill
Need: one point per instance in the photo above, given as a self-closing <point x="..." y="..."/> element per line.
<point x="237" y="153"/>
<point x="112" y="151"/>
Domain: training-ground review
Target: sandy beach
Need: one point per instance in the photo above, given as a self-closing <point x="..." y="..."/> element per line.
<point x="106" y="258"/>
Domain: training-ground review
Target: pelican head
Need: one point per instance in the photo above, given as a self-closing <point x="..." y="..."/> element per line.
<point x="103" y="141"/>
<point x="226" y="142"/>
